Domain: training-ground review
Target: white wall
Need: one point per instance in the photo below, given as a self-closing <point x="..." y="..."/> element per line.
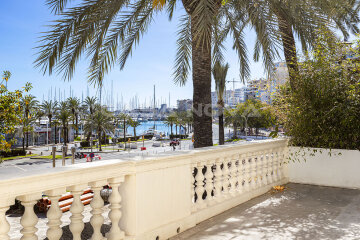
<point x="322" y="169"/>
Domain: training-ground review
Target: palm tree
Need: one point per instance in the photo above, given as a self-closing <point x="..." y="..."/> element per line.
<point x="219" y="72"/>
<point x="29" y="104"/>
<point x="170" y="121"/>
<point x="134" y="125"/>
<point x="232" y="117"/>
<point x="302" y="18"/>
<point x="74" y="105"/>
<point x="49" y="108"/>
<point x="119" y="24"/>
<point x="124" y="118"/>
<point x="56" y="123"/>
<point x="89" y="106"/>
<point x="102" y="120"/>
<point x="63" y="115"/>
<point x="25" y="128"/>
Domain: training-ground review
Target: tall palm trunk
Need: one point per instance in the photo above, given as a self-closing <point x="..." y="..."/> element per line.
<point x="124" y="131"/>
<point x="55" y="133"/>
<point x="76" y="125"/>
<point x="171" y="129"/>
<point x="289" y="46"/>
<point x="135" y="133"/>
<point x="27" y="139"/>
<point x="201" y="73"/>
<point x="201" y="67"/>
<point x="23" y="142"/>
<point x="235" y="130"/>
<point x="49" y="128"/>
<point x="221" y="124"/>
<point x="100" y="149"/>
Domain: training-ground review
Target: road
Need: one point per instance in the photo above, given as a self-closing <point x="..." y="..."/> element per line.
<point x="17" y="167"/>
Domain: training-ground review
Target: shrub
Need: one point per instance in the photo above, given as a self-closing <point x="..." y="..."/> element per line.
<point x="13" y="153"/>
<point x="324" y="110"/>
<point x="87" y="143"/>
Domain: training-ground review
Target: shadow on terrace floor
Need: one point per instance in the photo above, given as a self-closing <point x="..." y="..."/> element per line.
<point x="300" y="212"/>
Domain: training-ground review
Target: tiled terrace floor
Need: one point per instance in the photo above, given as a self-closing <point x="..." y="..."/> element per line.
<point x="300" y="212"/>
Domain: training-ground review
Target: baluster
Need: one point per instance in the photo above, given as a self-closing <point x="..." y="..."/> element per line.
<point x="233" y="176"/>
<point x="193" y="188"/>
<point x="259" y="170"/>
<point x="253" y="171"/>
<point x="240" y="175"/>
<point x="271" y="166"/>
<point x="54" y="214"/>
<point x="226" y="181"/>
<point x="199" y="186"/>
<point x="115" y="213"/>
<point x="276" y="165"/>
<point x="209" y="182"/>
<point x="76" y="209"/>
<point x="97" y="220"/>
<point x="283" y="152"/>
<point x="218" y="181"/>
<point x="29" y="219"/>
<point x="4" y="224"/>
<point x="265" y="168"/>
<point x="246" y="172"/>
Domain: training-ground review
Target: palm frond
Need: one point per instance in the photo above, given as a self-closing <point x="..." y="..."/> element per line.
<point x="183" y="53"/>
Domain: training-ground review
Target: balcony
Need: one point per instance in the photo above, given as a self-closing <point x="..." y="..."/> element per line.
<point x="160" y="198"/>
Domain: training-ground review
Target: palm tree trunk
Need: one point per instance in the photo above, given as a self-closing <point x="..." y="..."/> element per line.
<point x="100" y="149"/>
<point x="289" y="46"/>
<point x="124" y="131"/>
<point x="221" y="126"/>
<point x="55" y="132"/>
<point x="235" y="129"/>
<point x="50" y="129"/>
<point x="135" y="133"/>
<point x="176" y="127"/>
<point x="201" y="73"/>
<point x="171" y="129"/>
<point x="76" y="125"/>
<point x="27" y="139"/>
<point x="23" y="142"/>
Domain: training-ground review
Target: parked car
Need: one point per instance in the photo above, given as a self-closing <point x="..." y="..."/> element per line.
<point x="174" y="142"/>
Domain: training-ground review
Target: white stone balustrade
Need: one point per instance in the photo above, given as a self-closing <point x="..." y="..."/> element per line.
<point x="151" y="199"/>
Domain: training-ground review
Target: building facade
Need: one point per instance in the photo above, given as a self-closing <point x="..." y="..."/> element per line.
<point x="184" y="104"/>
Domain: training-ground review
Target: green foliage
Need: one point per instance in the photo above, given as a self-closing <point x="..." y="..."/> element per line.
<point x="13" y="152"/>
<point x="324" y="110"/>
<point x="250" y="114"/>
<point x="11" y="110"/>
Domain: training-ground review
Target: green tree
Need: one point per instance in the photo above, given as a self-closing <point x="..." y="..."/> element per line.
<point x="74" y="104"/>
<point x="102" y="121"/>
<point x="219" y="73"/>
<point x="324" y="110"/>
<point x="63" y="115"/>
<point x="134" y="125"/>
<point x="232" y="118"/>
<point x="29" y="105"/>
<point x="49" y="108"/>
<point x="109" y="31"/>
<point x="124" y="119"/>
<point x="89" y="106"/>
<point x="10" y="111"/>
<point x="170" y="121"/>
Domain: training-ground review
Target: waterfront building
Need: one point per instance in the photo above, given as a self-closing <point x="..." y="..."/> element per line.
<point x="184" y="104"/>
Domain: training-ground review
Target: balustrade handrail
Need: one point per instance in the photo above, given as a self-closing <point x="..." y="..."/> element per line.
<point x="76" y="177"/>
<point x="94" y="171"/>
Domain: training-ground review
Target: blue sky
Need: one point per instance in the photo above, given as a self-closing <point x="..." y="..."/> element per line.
<point x="21" y="24"/>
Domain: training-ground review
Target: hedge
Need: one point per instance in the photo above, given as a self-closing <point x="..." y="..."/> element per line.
<point x="13" y="153"/>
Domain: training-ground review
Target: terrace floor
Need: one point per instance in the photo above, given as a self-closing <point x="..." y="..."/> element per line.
<point x="299" y="212"/>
